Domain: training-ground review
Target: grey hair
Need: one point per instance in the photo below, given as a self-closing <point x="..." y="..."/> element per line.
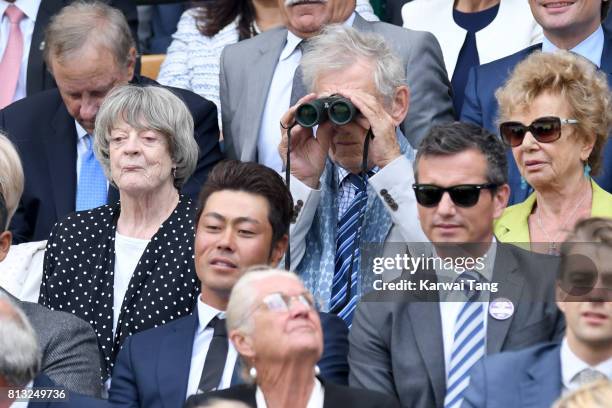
<point x="11" y="177"/>
<point x="339" y="47"/>
<point x="243" y="297"/>
<point x="83" y="23"/>
<point x="19" y="351"/>
<point x="148" y="108"/>
<point x="457" y="137"/>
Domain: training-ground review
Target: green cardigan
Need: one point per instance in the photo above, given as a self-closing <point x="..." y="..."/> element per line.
<point x="512" y="226"/>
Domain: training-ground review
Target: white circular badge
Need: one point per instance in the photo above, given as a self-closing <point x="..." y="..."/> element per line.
<point x="501" y="309"/>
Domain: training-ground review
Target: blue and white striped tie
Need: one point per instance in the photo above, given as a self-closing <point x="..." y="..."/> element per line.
<point x="347" y="248"/>
<point x="468" y="345"/>
<point x="91" y="187"/>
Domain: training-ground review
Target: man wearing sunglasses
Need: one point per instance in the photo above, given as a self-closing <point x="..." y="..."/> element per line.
<point x="537" y="376"/>
<point x="243" y="221"/>
<point x="409" y="345"/>
<point x="572" y="25"/>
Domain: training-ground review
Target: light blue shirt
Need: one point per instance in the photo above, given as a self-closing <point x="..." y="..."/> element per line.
<point x="590" y="48"/>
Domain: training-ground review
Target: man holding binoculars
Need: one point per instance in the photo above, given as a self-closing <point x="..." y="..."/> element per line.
<point x="343" y="187"/>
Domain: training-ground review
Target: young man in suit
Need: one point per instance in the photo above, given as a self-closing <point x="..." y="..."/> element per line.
<point x="537" y="376"/>
<point x="243" y="221"/>
<point x="258" y="83"/>
<point x="574" y="26"/>
<point x="409" y="343"/>
<point x="89" y="50"/>
<point x="68" y="345"/>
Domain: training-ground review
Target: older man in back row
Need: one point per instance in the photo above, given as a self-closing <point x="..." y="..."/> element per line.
<point x="258" y="82"/>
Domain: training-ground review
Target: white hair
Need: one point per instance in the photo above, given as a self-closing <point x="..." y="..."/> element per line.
<point x="11" y="177"/>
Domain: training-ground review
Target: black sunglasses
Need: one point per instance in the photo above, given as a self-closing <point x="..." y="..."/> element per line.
<point x="545" y="130"/>
<point x="464" y="195"/>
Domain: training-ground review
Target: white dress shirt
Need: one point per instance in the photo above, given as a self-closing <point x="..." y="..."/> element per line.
<point x="571" y="365"/>
<point x="590" y="48"/>
<point x="277" y="102"/>
<point x="450" y="309"/>
<point x="317" y="396"/>
<point x="30" y="10"/>
<point x="128" y="252"/>
<point x="201" y="343"/>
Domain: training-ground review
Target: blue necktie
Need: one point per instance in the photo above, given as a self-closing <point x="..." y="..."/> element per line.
<point x="347" y="249"/>
<point x="468" y="344"/>
<point x="91" y="188"/>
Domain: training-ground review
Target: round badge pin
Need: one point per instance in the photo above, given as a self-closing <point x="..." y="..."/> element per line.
<point x="501" y="309"/>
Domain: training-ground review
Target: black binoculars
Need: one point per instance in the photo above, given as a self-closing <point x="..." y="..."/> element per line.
<point x="336" y="108"/>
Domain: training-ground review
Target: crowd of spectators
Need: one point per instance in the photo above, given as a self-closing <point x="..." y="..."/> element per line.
<point x="434" y="176"/>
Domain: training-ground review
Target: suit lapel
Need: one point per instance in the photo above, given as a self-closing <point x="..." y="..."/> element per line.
<point x="237" y="374"/>
<point x="606" y="55"/>
<point x="510" y="287"/>
<point x="175" y="361"/>
<point x="543" y="385"/>
<point x="37" y="70"/>
<point x="60" y="146"/>
<point x="427" y="328"/>
<point x="258" y="82"/>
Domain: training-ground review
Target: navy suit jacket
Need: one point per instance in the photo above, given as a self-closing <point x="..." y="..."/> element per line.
<point x="45" y="136"/>
<point x="480" y="107"/>
<point x="529" y="378"/>
<point x="152" y="369"/>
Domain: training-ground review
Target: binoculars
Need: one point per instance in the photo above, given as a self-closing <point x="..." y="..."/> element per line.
<point x="336" y="108"/>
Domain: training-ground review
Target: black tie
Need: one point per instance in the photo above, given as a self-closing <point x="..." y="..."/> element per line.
<point x="215" y="357"/>
<point x="298" y="90"/>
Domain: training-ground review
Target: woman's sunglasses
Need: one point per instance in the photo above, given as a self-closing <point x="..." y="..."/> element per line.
<point x="464" y="195"/>
<point x="544" y="130"/>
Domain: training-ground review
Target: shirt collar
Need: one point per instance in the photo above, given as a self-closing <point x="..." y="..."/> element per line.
<point x="590" y="48"/>
<point x="571" y="365"/>
<point x="81" y="133"/>
<point x="293" y="40"/>
<point x="206" y="313"/>
<point x="29" y="7"/>
<point x="486" y="273"/>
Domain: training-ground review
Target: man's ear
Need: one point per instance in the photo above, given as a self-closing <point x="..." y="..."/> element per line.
<point x="5" y="244"/>
<point x="131" y="64"/>
<point x="278" y="250"/>
<point x="242" y="343"/>
<point x="500" y="195"/>
<point x="400" y="104"/>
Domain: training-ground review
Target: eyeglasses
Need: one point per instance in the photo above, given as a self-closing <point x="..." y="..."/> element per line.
<point x="464" y="195"/>
<point x="545" y="130"/>
<point x="280" y="302"/>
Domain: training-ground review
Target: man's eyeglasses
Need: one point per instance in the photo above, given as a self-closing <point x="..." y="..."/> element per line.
<point x="545" y="130"/>
<point x="280" y="302"/>
<point x="464" y="195"/>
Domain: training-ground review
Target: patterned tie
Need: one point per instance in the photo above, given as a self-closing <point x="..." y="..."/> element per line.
<point x="468" y="343"/>
<point x="347" y="249"/>
<point x="11" y="60"/>
<point x="214" y="364"/>
<point x="91" y="189"/>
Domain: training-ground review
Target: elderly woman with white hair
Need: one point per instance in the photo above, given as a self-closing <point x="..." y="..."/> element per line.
<point x="128" y="266"/>
<point x="274" y="325"/>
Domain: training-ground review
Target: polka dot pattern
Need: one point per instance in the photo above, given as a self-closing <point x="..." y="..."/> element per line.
<point x="78" y="274"/>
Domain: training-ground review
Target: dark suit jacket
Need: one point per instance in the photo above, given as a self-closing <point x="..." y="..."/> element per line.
<point x="396" y="347"/>
<point x="45" y="136"/>
<point x="480" y="107"/>
<point x="68" y="346"/>
<point x="152" y="369"/>
<point x="529" y="378"/>
<point x="73" y="400"/>
<point x="335" y="396"/>
<point x="38" y="76"/>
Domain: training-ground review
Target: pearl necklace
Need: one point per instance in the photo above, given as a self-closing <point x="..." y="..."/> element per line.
<point x="553" y="249"/>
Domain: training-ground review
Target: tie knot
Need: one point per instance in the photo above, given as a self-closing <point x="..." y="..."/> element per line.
<point x="469" y="279"/>
<point x="218" y="325"/>
<point x="357" y="181"/>
<point x="588" y="375"/>
<point x="14" y="14"/>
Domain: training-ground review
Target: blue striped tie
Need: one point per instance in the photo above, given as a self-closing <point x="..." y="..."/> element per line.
<point x="468" y="344"/>
<point x="91" y="188"/>
<point x="347" y="249"/>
